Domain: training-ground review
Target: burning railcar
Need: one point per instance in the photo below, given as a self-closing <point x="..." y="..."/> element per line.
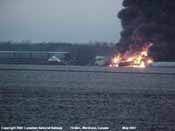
<point x="138" y="58"/>
<point x="144" y="21"/>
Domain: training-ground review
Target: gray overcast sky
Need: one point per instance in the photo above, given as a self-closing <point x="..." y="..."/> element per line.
<point x="60" y="20"/>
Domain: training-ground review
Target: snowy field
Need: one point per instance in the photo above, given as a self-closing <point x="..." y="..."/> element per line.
<point x="35" y="95"/>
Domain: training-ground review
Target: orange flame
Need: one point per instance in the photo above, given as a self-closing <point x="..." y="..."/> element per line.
<point x="138" y="59"/>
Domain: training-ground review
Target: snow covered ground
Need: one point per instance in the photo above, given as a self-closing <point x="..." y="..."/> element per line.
<point x="35" y="95"/>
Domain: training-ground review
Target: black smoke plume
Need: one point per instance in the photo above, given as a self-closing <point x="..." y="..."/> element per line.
<point x="149" y="21"/>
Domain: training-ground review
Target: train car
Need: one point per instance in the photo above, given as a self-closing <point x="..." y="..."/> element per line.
<point x="34" y="57"/>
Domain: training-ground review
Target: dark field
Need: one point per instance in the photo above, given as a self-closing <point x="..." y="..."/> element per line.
<point x="87" y="96"/>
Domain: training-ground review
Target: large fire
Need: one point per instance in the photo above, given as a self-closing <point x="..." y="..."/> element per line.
<point x="138" y="59"/>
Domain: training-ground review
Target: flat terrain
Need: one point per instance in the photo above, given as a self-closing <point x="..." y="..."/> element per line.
<point x="35" y="95"/>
